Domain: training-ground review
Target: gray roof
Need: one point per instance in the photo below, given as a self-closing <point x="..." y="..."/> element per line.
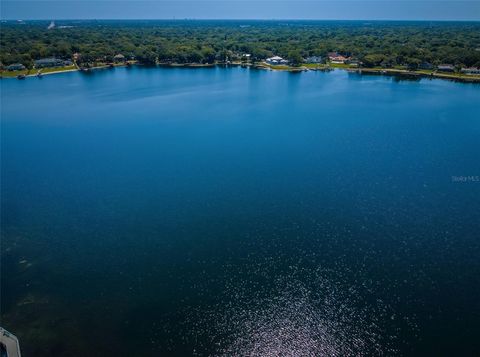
<point x="15" y="65"/>
<point x="48" y="60"/>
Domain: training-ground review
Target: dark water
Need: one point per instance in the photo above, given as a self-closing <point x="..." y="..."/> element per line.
<point x="176" y="212"/>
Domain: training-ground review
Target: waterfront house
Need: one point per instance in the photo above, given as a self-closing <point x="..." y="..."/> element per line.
<point x="49" y="62"/>
<point x="314" y="59"/>
<point x="446" y="68"/>
<point x="335" y="57"/>
<point x="425" y="65"/>
<point x="16" y="67"/>
<point x="276" y="61"/>
<point x="119" y="58"/>
<point x="246" y="57"/>
<point x="353" y="62"/>
<point x="471" y="70"/>
<point x="338" y="59"/>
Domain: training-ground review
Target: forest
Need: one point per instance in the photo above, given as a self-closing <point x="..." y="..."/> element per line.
<point x="374" y="43"/>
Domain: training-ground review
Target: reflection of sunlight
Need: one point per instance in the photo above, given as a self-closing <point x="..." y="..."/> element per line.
<point x="300" y="322"/>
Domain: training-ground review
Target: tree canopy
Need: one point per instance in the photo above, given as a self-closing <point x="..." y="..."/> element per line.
<point x="190" y="41"/>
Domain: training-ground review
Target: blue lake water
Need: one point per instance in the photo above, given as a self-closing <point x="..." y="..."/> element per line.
<point x="177" y="212"/>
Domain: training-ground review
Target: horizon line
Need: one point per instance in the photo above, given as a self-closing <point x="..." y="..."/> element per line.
<point x="233" y="19"/>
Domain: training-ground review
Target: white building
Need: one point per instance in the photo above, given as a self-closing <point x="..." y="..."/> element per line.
<point x="276" y="60"/>
<point x="471" y="70"/>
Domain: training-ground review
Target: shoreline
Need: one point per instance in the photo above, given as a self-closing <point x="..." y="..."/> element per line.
<point x="415" y="75"/>
<point x="392" y="72"/>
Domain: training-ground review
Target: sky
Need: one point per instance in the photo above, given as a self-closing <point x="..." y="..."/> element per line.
<point x="242" y="9"/>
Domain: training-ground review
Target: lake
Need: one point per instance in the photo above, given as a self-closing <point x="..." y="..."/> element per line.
<point x="183" y="212"/>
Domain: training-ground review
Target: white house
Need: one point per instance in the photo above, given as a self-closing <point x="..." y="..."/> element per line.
<point x="446" y="68"/>
<point x="276" y="60"/>
<point x="472" y="70"/>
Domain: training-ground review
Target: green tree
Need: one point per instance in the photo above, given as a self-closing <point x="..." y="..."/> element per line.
<point x="295" y="58"/>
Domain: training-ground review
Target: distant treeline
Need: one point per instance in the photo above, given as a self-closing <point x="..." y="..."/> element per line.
<point x="189" y="41"/>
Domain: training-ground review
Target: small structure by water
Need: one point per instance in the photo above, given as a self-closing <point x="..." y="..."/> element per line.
<point x="337" y="58"/>
<point x="15" y="67"/>
<point x="52" y="62"/>
<point x="446" y="68"/>
<point x="276" y="61"/>
<point x="471" y="70"/>
<point x="9" y="345"/>
<point x="119" y="58"/>
<point x="314" y="59"/>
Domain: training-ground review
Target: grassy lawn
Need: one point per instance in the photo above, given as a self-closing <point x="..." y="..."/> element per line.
<point x="33" y="71"/>
<point x="315" y="65"/>
<point x="457" y="75"/>
<point x="57" y="69"/>
<point x="446" y="75"/>
<point x="341" y="65"/>
<point x="282" y="67"/>
<point x="266" y="65"/>
<point x="9" y="74"/>
<point x="425" y="71"/>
